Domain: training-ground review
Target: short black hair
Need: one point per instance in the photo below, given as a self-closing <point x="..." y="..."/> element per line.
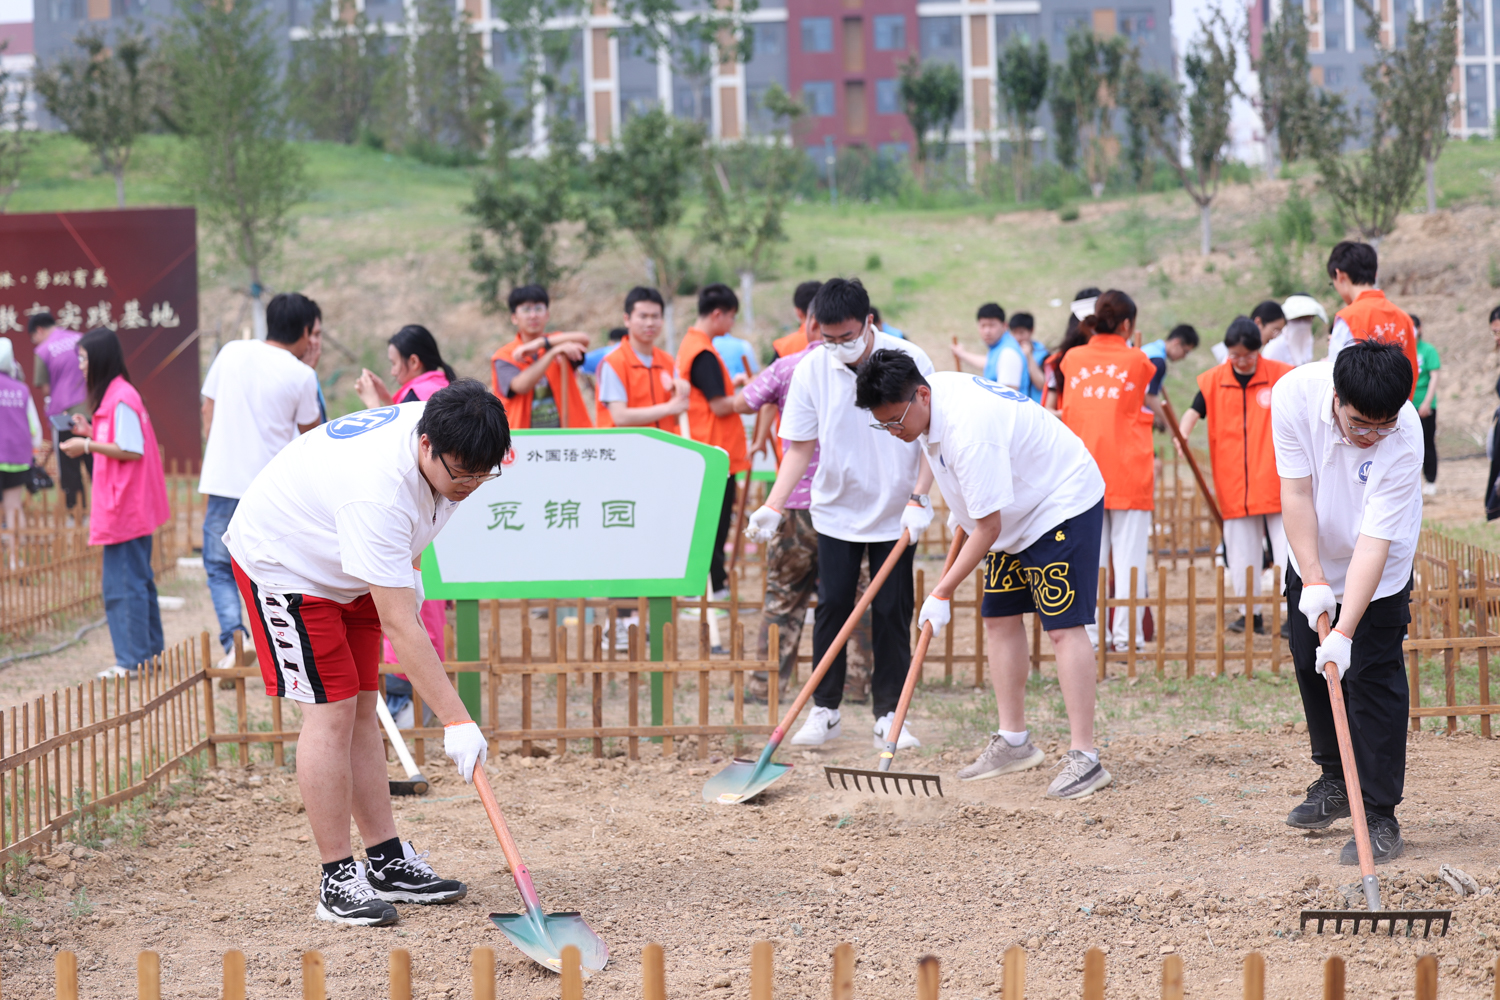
<point x="875" y="311"/>
<point x="840" y="300"/>
<point x="526" y="294"/>
<point x="466" y="422"/>
<point x="1374" y="377"/>
<point x="640" y="293"/>
<point x="40" y="321"/>
<point x="805" y="293"/>
<point x="290" y="316"/>
<point x="1087" y="293"/>
<point x="1357" y="260"/>
<point x="1186" y="334"/>
<point x="1494" y="314"/>
<point x="887" y="376"/>
<point x="1243" y="331"/>
<point x="1268" y="311"/>
<point x="1416" y="322"/>
<point x="715" y="297"/>
<point x="617" y="334"/>
<point x="1024" y="321"/>
<point x="990" y="310"/>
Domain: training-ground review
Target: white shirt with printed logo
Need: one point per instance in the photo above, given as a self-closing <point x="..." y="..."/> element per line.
<point x="340" y="509"/>
<point x="1356" y="491"/>
<point x="993" y="449"/>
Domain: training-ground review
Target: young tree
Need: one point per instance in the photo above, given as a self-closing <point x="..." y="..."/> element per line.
<point x="1403" y="130"/>
<point x="1089" y="78"/>
<point x="644" y="178"/>
<point x="930" y="95"/>
<point x="445" y="76"/>
<point x="16" y="139"/>
<point x="338" y="73"/>
<point x="1287" y="102"/>
<point x="1021" y="78"/>
<point x="105" y="96"/>
<point x="1150" y="99"/>
<point x="228" y="103"/>
<point x="1202" y="114"/>
<point x="1063" y="101"/>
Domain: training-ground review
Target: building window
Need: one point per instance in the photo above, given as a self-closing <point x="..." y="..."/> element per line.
<point x="1476" y="114"/>
<point x="637" y="74"/>
<point x="818" y="96"/>
<point x="1361" y="31"/>
<point x="1473" y="15"/>
<point x="890" y="33"/>
<point x="69" y="10"/>
<point x="1333" y="76"/>
<point x="1026" y="27"/>
<point x="1139" y="26"/>
<point x="1405" y="10"/>
<point x="942" y="38"/>
<point x="1065" y="22"/>
<point x="1333" y="25"/>
<point x="887" y="97"/>
<point x="817" y="34"/>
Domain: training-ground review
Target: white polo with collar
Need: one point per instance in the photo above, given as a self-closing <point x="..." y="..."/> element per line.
<point x="1356" y="491"/>
<point x="865" y="476"/>
<point x="993" y="449"/>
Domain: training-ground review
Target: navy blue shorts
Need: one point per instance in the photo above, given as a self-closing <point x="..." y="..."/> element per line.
<point x="1057" y="577"/>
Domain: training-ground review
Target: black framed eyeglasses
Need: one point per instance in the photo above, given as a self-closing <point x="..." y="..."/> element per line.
<point x="899" y="424"/>
<point x="479" y="480"/>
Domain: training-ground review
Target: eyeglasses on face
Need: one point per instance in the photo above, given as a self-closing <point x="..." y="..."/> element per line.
<point x="899" y="424"/>
<point x="478" y="480"/>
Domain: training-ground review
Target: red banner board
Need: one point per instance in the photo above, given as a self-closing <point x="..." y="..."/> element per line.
<point x="134" y="270"/>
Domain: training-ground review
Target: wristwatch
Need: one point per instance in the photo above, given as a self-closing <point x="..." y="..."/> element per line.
<point x="921" y="500"/>
<point x="546" y="343"/>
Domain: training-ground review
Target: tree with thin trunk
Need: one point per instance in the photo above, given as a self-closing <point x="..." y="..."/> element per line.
<point x="1022" y="73"/>
<point x="930" y="96"/>
<point x="339" y="74"/>
<point x="1287" y="101"/>
<point x="106" y="96"/>
<point x="1202" y="113"/>
<point x="227" y="102"/>
<point x="17" y="139"/>
<point x="1151" y="100"/>
<point x="1089" y="77"/>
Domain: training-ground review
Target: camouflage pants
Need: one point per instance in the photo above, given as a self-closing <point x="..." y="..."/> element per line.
<point x="791" y="583"/>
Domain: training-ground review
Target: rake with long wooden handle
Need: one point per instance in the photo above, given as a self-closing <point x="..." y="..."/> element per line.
<point x="1187" y="452"/>
<point x="415" y="783"/>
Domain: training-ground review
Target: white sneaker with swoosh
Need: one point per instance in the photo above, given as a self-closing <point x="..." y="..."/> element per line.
<point x="821" y="726"/>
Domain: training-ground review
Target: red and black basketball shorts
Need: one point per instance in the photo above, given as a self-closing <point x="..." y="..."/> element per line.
<point x="311" y="649"/>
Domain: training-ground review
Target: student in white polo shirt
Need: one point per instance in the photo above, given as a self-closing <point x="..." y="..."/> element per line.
<point x="1031" y="499"/>
<point x="1349" y="453"/>
<point x="868" y="487"/>
<point x="323" y="544"/>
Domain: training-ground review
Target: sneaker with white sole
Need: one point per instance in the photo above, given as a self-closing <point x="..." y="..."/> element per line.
<point x="347" y="897"/>
<point x="117" y="672"/>
<point x="1001" y="758"/>
<point x="1080" y="777"/>
<point x="821" y="726"/>
<point x="882" y="732"/>
<point x="410" y="879"/>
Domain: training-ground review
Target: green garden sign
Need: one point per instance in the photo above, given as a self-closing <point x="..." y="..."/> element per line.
<point x="623" y="513"/>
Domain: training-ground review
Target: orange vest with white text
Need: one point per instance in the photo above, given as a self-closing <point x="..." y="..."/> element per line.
<point x="1239" y="438"/>
<point x="571" y="410"/>
<point x="1105" y="383"/>
<point x="643" y="386"/>
<point x="1372" y="316"/>
<point x="728" y="431"/>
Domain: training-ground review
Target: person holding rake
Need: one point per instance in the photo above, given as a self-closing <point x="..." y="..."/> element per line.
<point x="1031" y="499"/>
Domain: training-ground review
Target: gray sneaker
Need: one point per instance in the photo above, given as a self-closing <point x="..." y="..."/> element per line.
<point x="1001" y="758"/>
<point x="1079" y="779"/>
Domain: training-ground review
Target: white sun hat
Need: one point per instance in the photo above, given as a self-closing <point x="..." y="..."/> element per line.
<point x="1301" y="306"/>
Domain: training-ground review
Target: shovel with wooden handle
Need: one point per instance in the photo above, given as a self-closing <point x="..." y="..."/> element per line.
<point x="1368" y="879"/>
<point x="415" y="783"/>
<point x="744" y="779"/>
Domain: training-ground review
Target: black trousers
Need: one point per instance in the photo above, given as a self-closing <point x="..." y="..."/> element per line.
<point x="69" y="471"/>
<point x="716" y="574"/>
<point x="1429" y="446"/>
<point x="890" y="625"/>
<point x="1375" y="695"/>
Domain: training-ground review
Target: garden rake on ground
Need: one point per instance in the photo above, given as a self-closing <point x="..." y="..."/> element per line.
<point x="1374" y="915"/>
<point x="744" y="779"/>
<point x="883" y="772"/>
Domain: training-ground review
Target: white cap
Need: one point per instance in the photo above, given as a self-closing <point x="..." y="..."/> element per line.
<point x="1084" y="308"/>
<point x="1303" y="306"/>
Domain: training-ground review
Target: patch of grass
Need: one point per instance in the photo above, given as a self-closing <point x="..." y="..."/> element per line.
<point x="17" y="922"/>
<point x="80" y="907"/>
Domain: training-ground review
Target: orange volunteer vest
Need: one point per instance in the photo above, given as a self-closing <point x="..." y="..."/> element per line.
<point x="728" y="431"/>
<point x="518" y="407"/>
<point x="1239" y="438"/>
<point x="1104" y="383"/>
<point x="643" y="386"/>
<point x="793" y="342"/>
<point x="1372" y="316"/>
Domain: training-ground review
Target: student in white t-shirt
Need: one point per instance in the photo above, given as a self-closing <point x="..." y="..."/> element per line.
<point x="867" y="490"/>
<point x="258" y="396"/>
<point x="1349" y="453"/>
<point x="324" y="543"/>
<point x="1031" y="499"/>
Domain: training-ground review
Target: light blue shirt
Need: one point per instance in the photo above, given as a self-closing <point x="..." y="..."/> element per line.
<point x="592" y="359"/>
<point x="738" y="354"/>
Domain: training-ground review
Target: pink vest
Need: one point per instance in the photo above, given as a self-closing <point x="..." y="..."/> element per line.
<point x="130" y="498"/>
<point x="424" y="385"/>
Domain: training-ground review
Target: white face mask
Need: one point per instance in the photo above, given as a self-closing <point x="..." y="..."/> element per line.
<point x="848" y="353"/>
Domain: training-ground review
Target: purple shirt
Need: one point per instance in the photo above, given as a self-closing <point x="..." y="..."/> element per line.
<point x="771" y="387"/>
<point x="59" y="352"/>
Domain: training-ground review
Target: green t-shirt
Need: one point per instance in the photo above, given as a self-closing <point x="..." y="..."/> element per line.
<point x="1427" y="363"/>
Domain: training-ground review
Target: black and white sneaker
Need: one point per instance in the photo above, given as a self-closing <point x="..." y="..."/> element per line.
<point x="346" y="897"/>
<point x="410" y="879"/>
<point x="1326" y="802"/>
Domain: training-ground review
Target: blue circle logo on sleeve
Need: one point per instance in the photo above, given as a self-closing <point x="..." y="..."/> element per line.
<point x="1003" y="391"/>
<point x="1364" y="471"/>
<point x="356" y="424"/>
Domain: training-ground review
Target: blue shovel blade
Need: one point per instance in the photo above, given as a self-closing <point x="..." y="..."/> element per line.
<point x="742" y="780"/>
<point x="544" y="941"/>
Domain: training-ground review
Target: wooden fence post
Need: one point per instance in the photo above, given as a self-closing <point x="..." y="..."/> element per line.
<point x="148" y="975"/>
<point x="1171" y="978"/>
<point x="400" y="974"/>
<point x="572" y="974"/>
<point x="843" y="972"/>
<point x="313" y="987"/>
<point x="1255" y="976"/>
<point x="1013" y="975"/>
<point x="482" y="973"/>
<point x="653" y="973"/>
<point x="66" y="966"/>
<point x="1427" y="978"/>
<point x="1333" y="979"/>
<point x="1093" y="975"/>
<point x="929" y="976"/>
<point x="234" y="974"/>
<point x="762" y="970"/>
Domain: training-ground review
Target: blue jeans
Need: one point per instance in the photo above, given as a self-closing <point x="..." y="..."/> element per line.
<point x="221" y="586"/>
<point x="130" y="602"/>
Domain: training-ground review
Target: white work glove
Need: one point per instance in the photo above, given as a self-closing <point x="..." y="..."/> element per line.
<point x="465" y="746"/>
<point x="1335" y="649"/>
<point x="915" y="519"/>
<point x="763" y="524"/>
<point x="416" y="582"/>
<point x="1317" y="600"/>
<point x="937" y="610"/>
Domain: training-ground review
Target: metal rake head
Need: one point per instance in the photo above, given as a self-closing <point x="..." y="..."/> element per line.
<point x="1374" y="917"/>
<point x="887" y="779"/>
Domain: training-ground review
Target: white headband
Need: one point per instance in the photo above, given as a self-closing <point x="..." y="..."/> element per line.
<point x="1084" y="308"/>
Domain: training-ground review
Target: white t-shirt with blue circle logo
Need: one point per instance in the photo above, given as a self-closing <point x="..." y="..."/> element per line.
<point x="1357" y="491"/>
<point x="341" y="508"/>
